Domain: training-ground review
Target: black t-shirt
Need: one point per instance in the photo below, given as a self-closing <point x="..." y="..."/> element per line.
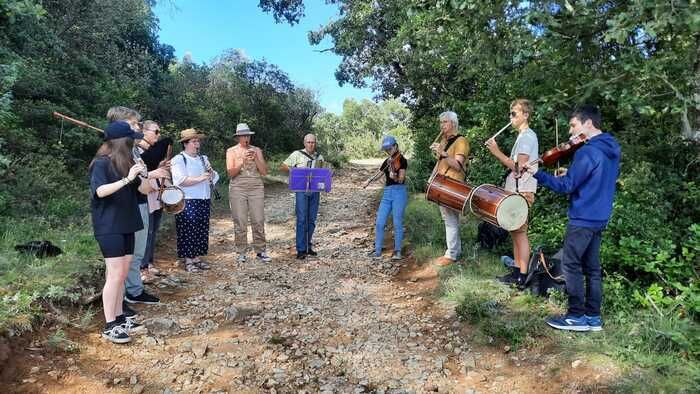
<point x="156" y="153"/>
<point x="385" y="165"/>
<point x="117" y="213"/>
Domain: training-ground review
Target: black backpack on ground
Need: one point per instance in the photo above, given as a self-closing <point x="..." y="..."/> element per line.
<point x="39" y="249"/>
<point x="544" y="272"/>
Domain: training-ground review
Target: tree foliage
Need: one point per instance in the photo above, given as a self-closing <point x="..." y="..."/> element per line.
<point x="81" y="57"/>
<point x="638" y="60"/>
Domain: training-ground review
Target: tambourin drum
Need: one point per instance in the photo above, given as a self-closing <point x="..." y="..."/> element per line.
<point x="173" y="199"/>
<point x="499" y="207"/>
<point x="448" y="192"/>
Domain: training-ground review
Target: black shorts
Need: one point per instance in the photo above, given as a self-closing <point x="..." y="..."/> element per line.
<point x="116" y="245"/>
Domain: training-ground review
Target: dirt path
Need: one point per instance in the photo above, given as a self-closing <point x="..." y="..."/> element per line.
<point x="337" y="323"/>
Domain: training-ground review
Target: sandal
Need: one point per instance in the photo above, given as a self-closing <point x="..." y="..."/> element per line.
<point x="201" y="264"/>
<point x="191" y="267"/>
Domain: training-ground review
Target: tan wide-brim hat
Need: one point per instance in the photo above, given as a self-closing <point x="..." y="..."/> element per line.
<point x="243" y="129"/>
<point x="188" y="134"/>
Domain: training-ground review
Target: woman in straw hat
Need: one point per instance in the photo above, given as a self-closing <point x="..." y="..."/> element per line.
<point x="246" y="165"/>
<point x="193" y="174"/>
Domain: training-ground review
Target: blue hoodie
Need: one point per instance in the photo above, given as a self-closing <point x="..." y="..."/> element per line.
<point x="589" y="182"/>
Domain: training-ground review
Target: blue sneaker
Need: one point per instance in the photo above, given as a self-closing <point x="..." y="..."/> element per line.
<point x="569" y="322"/>
<point x="594" y="323"/>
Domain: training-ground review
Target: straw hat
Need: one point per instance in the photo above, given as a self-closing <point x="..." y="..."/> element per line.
<point x="243" y="129"/>
<point x="188" y="134"/>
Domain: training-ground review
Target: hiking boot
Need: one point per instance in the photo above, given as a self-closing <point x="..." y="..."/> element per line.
<point x="116" y="334"/>
<point x="143" y="298"/>
<point x="396" y="256"/>
<point x="128" y="312"/>
<point x="594" y="323"/>
<point x="301" y="255"/>
<point x="311" y="252"/>
<point x="569" y="323"/>
<point x="264" y="257"/>
<point x="374" y="256"/>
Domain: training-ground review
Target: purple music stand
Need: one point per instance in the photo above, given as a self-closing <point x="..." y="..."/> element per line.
<point x="303" y="179"/>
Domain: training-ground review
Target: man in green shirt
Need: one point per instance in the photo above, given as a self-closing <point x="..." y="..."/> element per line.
<point x="306" y="206"/>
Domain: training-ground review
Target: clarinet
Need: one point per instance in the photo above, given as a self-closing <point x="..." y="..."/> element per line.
<point x="137" y="159"/>
<point x="215" y="192"/>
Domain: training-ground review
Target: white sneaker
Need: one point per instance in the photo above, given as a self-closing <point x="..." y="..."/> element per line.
<point x="264" y="257"/>
<point x="241" y="258"/>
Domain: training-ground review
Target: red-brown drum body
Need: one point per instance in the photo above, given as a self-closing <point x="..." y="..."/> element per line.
<point x="491" y="203"/>
<point x="448" y="192"/>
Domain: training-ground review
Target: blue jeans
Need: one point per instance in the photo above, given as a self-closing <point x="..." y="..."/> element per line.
<point x="306" y="211"/>
<point x="581" y="263"/>
<point x="393" y="202"/>
<point x="134" y="284"/>
<point x="153" y="225"/>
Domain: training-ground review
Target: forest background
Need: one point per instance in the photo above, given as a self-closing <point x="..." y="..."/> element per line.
<point x="638" y="60"/>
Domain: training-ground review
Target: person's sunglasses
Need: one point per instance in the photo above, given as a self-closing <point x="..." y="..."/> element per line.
<point x="513" y="114"/>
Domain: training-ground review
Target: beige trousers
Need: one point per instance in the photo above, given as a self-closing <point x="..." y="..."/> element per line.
<point x="247" y="200"/>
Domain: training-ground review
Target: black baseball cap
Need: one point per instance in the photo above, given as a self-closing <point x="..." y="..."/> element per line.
<point x="120" y="129"/>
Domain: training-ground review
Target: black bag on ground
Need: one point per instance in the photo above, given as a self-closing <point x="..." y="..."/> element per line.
<point x="39" y="249"/>
<point x="490" y="236"/>
<point x="544" y="272"/>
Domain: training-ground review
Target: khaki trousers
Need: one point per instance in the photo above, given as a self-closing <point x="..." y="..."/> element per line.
<point x="247" y="200"/>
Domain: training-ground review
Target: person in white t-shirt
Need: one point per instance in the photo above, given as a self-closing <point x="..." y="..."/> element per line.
<point x="525" y="149"/>
<point x="193" y="174"/>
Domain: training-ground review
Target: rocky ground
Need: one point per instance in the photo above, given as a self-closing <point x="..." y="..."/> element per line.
<point x="341" y="322"/>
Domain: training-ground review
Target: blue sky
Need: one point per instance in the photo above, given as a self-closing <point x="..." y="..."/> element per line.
<point x="205" y="28"/>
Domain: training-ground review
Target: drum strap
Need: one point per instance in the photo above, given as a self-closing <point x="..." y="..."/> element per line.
<point x="451" y="141"/>
<point x="311" y="158"/>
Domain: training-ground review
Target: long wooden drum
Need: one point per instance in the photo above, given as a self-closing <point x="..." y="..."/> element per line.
<point x="497" y="206"/>
<point x="448" y="193"/>
<point x="502" y="208"/>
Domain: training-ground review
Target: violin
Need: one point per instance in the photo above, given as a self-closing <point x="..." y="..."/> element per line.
<point x="393" y="164"/>
<point x="562" y="151"/>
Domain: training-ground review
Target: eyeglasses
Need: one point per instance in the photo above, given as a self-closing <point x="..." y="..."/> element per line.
<point x="309" y="142"/>
<point x="513" y="114"/>
<point x="156" y="131"/>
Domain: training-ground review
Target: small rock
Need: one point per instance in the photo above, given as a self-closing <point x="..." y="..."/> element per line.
<point x="138" y="389"/>
<point x="469" y="361"/>
<point x="199" y="349"/>
<point x="506" y="349"/>
<point x="133" y="380"/>
<point x="282" y="358"/>
<point x="34" y="370"/>
<point x="576" y="364"/>
<point x="53" y="374"/>
<point x="187" y="360"/>
<point x="160" y="326"/>
<point x="30" y="380"/>
<point x="117" y="381"/>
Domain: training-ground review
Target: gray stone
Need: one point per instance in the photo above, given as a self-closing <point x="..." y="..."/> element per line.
<point x="161" y="326"/>
<point x="138" y="389"/>
<point x="199" y="349"/>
